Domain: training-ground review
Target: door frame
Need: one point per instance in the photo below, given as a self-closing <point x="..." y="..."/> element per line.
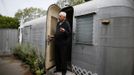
<point x="70" y="15"/>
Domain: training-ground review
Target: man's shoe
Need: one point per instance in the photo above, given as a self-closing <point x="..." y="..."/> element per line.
<point x="63" y="73"/>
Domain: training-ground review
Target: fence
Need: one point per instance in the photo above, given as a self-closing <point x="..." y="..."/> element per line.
<point x="8" y="39"/>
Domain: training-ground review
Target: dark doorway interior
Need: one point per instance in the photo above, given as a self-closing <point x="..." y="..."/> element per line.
<point x="69" y="11"/>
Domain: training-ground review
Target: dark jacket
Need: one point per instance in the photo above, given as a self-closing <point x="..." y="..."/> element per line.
<point x="62" y="36"/>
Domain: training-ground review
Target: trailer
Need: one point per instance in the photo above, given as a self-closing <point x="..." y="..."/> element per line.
<point x="102" y="40"/>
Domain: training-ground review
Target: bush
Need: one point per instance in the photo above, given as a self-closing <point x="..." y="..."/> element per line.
<point x="8" y="22"/>
<point x="28" y="55"/>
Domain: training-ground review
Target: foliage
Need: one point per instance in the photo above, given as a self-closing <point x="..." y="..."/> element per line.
<point x="71" y="2"/>
<point x="28" y="55"/>
<point x="75" y="2"/>
<point x="29" y="13"/>
<point x="8" y="22"/>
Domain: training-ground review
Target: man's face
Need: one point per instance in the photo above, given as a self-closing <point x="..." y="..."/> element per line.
<point x="61" y="17"/>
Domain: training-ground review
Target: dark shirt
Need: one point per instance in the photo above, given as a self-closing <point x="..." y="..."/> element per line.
<point x="62" y="36"/>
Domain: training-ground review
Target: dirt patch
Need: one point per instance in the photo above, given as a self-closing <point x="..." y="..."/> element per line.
<point x="10" y="65"/>
<point x="10" y="59"/>
<point x="28" y="73"/>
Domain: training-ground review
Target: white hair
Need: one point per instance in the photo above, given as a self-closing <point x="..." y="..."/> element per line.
<point x="63" y="13"/>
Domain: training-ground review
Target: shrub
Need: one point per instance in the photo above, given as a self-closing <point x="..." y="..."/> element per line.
<point x="28" y="54"/>
<point x="8" y="22"/>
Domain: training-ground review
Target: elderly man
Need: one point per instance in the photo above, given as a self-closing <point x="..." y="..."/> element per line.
<point x="61" y="42"/>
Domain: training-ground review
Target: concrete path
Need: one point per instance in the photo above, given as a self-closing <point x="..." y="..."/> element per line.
<point x="68" y="73"/>
<point x="51" y="72"/>
<point x="12" y="66"/>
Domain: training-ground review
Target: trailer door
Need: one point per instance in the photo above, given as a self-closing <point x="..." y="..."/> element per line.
<point x="52" y="15"/>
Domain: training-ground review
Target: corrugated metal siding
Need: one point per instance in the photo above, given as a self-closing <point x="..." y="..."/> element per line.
<point x="84" y="29"/>
<point x="8" y="40"/>
<point x="118" y="42"/>
<point x="35" y="36"/>
<point x="38" y="37"/>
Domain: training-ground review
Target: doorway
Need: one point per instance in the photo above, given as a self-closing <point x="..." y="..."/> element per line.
<point x="69" y="10"/>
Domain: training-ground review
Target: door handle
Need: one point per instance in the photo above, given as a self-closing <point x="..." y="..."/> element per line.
<point x="50" y="38"/>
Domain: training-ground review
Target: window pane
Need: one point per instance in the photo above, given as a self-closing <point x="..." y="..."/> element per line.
<point x="84" y="29"/>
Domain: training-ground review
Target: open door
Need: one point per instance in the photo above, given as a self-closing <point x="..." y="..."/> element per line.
<point x="52" y="20"/>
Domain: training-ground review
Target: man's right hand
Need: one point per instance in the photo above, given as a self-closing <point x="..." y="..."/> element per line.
<point x="62" y="29"/>
<point x="50" y="37"/>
